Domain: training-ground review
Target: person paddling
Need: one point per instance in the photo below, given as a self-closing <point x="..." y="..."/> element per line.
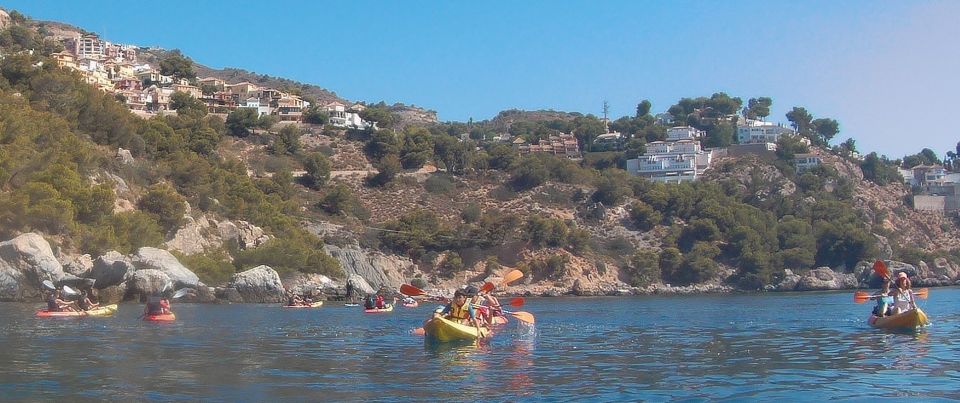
<point x="156" y="305"/>
<point x="884" y="300"/>
<point x="903" y="295"/>
<point x="85" y="303"/>
<point x="461" y="311"/>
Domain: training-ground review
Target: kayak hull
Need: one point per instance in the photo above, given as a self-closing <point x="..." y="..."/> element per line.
<point x="313" y="305"/>
<point x="105" y="310"/>
<point x="413" y="305"/>
<point x="912" y="319"/>
<point x="389" y="308"/>
<point x="163" y="317"/>
<point x="442" y="329"/>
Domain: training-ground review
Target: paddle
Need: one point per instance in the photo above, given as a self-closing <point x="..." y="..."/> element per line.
<point x="517" y="302"/>
<point x="407" y="289"/>
<point x="922" y="293"/>
<point x="48" y="285"/>
<point x="521" y="315"/>
<point x="487" y="287"/>
<point x="510" y="277"/>
<point x="70" y="291"/>
<point x="180" y="293"/>
<point x="862" y="296"/>
<point x="880" y="268"/>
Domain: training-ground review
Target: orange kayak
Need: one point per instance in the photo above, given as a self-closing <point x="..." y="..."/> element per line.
<point x="908" y="320"/>
<point x="163" y="317"/>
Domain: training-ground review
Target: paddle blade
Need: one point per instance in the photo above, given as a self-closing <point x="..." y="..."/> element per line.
<point x="861" y="297"/>
<point x="418" y="332"/>
<point x="880" y="268"/>
<point x="407" y="289"/>
<point x="525" y="317"/>
<point x="48" y="285"/>
<point x="487" y="287"/>
<point x="512" y="276"/>
<point x="922" y="293"/>
<point x="70" y="291"/>
<point x="517" y="302"/>
<point x="181" y="292"/>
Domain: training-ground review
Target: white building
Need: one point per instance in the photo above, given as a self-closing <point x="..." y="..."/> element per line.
<point x="757" y="131"/>
<point x="684" y="133"/>
<point x="679" y="159"/>
<point x="804" y="162"/>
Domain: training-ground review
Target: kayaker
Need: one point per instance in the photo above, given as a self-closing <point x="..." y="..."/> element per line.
<point x="495" y="308"/>
<point x="476" y="301"/>
<point x="903" y="295"/>
<point x="85" y="303"/>
<point x="884" y="300"/>
<point x="59" y="304"/>
<point x="460" y="310"/>
<point x="379" y="302"/>
<point x="156" y="305"/>
<point x="369" y="302"/>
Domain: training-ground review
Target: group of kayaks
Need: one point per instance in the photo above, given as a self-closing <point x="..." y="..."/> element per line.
<point x="101" y="311"/>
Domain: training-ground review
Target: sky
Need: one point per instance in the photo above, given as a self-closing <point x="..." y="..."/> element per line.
<point x="886" y="70"/>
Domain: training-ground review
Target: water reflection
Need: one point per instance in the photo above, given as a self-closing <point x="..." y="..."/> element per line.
<point x="654" y="348"/>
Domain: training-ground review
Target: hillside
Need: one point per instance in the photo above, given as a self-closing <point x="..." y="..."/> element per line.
<point x="415" y="202"/>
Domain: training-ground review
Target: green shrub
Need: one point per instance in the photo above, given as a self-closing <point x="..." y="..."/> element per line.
<point x="212" y="267"/>
<point x="440" y="184"/>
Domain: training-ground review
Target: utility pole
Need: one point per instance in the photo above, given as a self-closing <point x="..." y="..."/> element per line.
<point x="606" y="121"/>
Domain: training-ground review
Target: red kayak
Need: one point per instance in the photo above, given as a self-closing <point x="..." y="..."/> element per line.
<point x="162" y="317"/>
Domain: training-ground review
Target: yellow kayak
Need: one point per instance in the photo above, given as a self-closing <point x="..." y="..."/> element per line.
<point x="911" y="319"/>
<point x="443" y="329"/>
<point x="105" y="310"/>
<point x="311" y="305"/>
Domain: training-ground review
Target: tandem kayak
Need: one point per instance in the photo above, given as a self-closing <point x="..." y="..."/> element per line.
<point x="443" y="329"/>
<point x="312" y="305"/>
<point x="105" y="310"/>
<point x="908" y="320"/>
<point x="162" y="317"/>
<point x="389" y="308"/>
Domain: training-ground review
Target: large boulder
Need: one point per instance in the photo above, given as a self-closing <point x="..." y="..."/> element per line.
<point x="376" y="268"/>
<point x="110" y="269"/>
<point x="148" y="282"/>
<point x="78" y="265"/>
<point x="259" y="284"/>
<point x="311" y="284"/>
<point x="360" y="286"/>
<point x="789" y="282"/>
<point x="824" y="278"/>
<point x="159" y="259"/>
<point x="25" y="262"/>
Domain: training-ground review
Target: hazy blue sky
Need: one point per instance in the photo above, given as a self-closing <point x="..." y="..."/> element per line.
<point x="886" y="70"/>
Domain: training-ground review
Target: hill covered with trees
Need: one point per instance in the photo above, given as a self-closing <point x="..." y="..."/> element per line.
<point x="445" y="195"/>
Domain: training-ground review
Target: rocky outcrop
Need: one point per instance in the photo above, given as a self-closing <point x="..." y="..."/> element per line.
<point x="312" y="285"/>
<point x="110" y="269"/>
<point x="259" y="284"/>
<point x="360" y="286"/>
<point x="824" y="278"/>
<point x="148" y="282"/>
<point x="202" y="233"/>
<point x="25" y="261"/>
<point x="159" y="259"/>
<point x="378" y="269"/>
<point x="78" y="265"/>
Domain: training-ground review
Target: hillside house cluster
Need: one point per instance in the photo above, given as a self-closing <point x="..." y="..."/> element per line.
<point x="113" y="68"/>
<point x="563" y="145"/>
<point x="678" y="159"/>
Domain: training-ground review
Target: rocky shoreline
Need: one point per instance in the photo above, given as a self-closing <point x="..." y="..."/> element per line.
<point x="28" y="259"/>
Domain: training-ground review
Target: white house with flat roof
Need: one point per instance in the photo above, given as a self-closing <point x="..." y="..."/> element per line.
<point x="679" y="159"/>
<point x="758" y="131"/>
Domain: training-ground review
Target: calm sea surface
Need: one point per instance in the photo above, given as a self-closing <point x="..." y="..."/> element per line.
<point x="807" y="346"/>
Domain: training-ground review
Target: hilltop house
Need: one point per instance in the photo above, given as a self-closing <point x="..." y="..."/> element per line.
<point x="608" y="142"/>
<point x="756" y="131"/>
<point x="676" y="160"/>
